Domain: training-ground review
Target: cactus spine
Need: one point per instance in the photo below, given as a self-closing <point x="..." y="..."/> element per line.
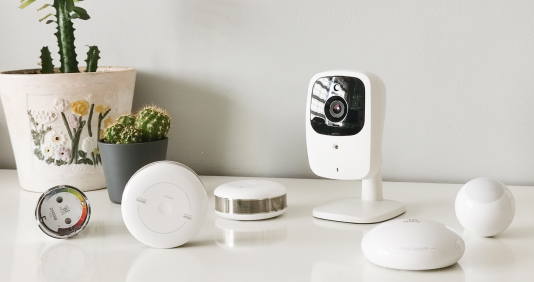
<point x="130" y="134"/>
<point x="154" y="123"/>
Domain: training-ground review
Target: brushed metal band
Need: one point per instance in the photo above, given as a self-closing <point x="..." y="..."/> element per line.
<point x="231" y="206"/>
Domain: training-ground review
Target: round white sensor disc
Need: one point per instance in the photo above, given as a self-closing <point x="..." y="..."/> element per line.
<point x="164" y="204"/>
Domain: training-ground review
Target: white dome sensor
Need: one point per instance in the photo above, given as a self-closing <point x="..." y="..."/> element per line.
<point x="413" y="244"/>
<point x="485" y="207"/>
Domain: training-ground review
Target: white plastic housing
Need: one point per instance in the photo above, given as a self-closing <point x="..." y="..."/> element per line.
<point x="164" y="204"/>
<point x="357" y="156"/>
<point x="413" y="244"/>
<point x="485" y="207"/>
<point x="341" y="146"/>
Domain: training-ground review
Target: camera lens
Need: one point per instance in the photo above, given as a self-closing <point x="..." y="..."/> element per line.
<point x="335" y="108"/>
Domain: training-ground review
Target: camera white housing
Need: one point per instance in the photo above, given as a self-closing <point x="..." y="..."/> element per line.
<point x="345" y="114"/>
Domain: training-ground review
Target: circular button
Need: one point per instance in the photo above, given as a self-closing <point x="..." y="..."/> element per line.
<point x="165" y="208"/>
<point x="336" y="87"/>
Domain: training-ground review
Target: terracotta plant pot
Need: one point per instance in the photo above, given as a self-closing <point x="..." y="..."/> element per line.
<point x="54" y="122"/>
<point x="121" y="161"/>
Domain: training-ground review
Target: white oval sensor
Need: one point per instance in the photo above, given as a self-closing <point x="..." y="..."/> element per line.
<point x="413" y="244"/>
<point x="164" y="204"/>
<point x="252" y="199"/>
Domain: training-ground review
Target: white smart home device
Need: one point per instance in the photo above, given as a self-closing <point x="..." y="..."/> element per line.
<point x="164" y="204"/>
<point x="345" y="113"/>
<point x="485" y="207"/>
<point x="413" y="244"/>
<point x="251" y="199"/>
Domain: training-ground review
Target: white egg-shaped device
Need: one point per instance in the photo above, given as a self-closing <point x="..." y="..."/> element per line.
<point x="413" y="244"/>
<point x="164" y="204"/>
<point x="485" y="207"/>
<point x="251" y="199"/>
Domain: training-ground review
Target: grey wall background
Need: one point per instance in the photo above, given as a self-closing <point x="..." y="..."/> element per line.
<point x="234" y="76"/>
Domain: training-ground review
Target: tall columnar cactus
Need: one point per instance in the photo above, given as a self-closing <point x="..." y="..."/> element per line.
<point x="66" y="11"/>
<point x="153" y="122"/>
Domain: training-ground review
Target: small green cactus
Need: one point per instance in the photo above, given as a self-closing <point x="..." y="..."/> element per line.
<point x="130" y="134"/>
<point x="92" y="59"/>
<point x="126" y="120"/>
<point x="46" y="61"/>
<point x="150" y="124"/>
<point x="112" y="134"/>
<point x="153" y="122"/>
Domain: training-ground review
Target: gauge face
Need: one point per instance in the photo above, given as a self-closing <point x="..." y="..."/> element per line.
<point x="338" y="105"/>
<point x="62" y="211"/>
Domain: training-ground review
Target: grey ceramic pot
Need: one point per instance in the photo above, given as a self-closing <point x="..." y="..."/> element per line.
<point x="121" y="161"/>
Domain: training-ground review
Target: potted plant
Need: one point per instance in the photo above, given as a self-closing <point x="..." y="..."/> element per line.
<point x="55" y="115"/>
<point x="130" y="143"/>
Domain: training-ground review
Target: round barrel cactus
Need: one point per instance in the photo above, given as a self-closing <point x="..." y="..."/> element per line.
<point x="130" y="134"/>
<point x="126" y="120"/>
<point x="153" y="122"/>
<point x="112" y="134"/>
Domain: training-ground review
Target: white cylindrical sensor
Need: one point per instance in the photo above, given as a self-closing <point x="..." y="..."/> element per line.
<point x="164" y="204"/>
<point x="252" y="199"/>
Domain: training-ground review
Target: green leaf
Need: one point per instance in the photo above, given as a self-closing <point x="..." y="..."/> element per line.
<point x="50" y="21"/>
<point x="43" y="7"/>
<point x="74" y="16"/>
<point x="69" y="5"/>
<point x="82" y="13"/>
<point x="26" y="4"/>
<point x="44" y="18"/>
<point x="81" y="154"/>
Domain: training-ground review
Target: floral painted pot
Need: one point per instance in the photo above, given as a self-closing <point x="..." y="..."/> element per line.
<point x="55" y="121"/>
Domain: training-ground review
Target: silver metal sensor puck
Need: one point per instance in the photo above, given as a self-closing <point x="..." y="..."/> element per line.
<point x="250" y="199"/>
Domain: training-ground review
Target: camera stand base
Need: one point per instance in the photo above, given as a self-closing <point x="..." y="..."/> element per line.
<point x="356" y="210"/>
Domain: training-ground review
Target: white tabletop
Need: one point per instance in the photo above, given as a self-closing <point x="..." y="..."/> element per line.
<point x="292" y="247"/>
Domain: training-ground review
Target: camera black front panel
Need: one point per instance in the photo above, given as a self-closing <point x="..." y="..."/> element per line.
<point x="348" y="95"/>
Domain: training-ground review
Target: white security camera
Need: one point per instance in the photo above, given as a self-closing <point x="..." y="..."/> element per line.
<point x="345" y="113"/>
